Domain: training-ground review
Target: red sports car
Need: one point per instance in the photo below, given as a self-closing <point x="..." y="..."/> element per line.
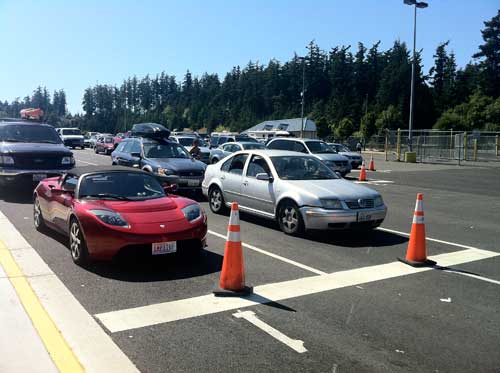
<point x="105" y="210"/>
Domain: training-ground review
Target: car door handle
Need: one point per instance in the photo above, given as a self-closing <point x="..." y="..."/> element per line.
<point x="245" y="183"/>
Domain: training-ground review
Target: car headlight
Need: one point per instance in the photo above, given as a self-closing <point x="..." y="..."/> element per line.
<point x="111" y="218"/>
<point x="378" y="201"/>
<point x="6" y="160"/>
<point x="68" y="160"/>
<point x="332" y="204"/>
<point x="165" y="171"/>
<point x="191" y="212"/>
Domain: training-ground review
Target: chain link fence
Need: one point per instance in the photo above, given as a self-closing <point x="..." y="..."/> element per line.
<point x="433" y="146"/>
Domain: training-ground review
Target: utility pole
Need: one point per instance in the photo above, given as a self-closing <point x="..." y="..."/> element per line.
<point x="303" y="94"/>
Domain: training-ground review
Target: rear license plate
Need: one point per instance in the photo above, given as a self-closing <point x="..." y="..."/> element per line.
<point x="365" y="216"/>
<point x="160" y="248"/>
<point x="39" y="177"/>
<point x="193" y="182"/>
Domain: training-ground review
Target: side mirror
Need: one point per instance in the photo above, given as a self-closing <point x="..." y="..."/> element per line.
<point x="264" y="177"/>
<point x="170" y="188"/>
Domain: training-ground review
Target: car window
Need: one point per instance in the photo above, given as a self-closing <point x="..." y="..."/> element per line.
<point x="298" y="147"/>
<point x="165" y="150"/>
<point x="301" y="168"/>
<point x="258" y="165"/>
<point x="237" y="164"/>
<point x="135" y="147"/>
<point x="319" y="147"/>
<point x="69" y="182"/>
<point x="225" y="166"/>
<point x="72" y="131"/>
<point x="29" y="133"/>
<point x="231" y="148"/>
<point x="120" y="146"/>
<point x="126" y="148"/>
<point x="255" y="145"/>
<point x="280" y="145"/>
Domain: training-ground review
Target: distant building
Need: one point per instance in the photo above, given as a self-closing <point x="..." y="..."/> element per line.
<point x="292" y="126"/>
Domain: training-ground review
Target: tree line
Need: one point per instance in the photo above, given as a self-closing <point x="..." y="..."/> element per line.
<point x="357" y="91"/>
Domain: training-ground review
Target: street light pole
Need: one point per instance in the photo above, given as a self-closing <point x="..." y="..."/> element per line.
<point x="303" y="94"/>
<point x="413" y="66"/>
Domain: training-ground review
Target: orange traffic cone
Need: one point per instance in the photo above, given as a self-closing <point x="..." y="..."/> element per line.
<point x="416" y="254"/>
<point x="232" y="278"/>
<point x="371" y="167"/>
<point x="362" y="173"/>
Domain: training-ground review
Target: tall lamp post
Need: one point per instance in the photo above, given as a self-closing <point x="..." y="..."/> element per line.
<point x="421" y="5"/>
<point x="302" y="95"/>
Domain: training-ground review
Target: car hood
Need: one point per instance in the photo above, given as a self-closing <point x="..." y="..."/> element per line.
<point x="330" y="157"/>
<point x="180" y="164"/>
<point x="16" y="147"/>
<point x="333" y="188"/>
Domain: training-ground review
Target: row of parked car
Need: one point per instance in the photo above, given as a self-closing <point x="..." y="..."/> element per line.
<point x="130" y="203"/>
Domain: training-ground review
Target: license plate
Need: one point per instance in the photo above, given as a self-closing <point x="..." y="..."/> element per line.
<point x="160" y="248"/>
<point x="193" y="182"/>
<point x="365" y="216"/>
<point x="39" y="177"/>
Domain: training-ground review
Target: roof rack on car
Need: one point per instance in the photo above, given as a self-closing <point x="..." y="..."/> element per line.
<point x="150" y="130"/>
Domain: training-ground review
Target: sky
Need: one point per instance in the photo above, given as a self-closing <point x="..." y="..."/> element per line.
<point x="73" y="44"/>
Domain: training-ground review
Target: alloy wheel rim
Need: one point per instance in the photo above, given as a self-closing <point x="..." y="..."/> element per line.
<point x="216" y="200"/>
<point x="289" y="218"/>
<point x="75" y="241"/>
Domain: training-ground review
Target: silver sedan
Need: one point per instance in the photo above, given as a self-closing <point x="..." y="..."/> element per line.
<point x="297" y="190"/>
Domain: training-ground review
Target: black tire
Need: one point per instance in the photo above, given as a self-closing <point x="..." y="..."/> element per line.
<point x="77" y="244"/>
<point x="216" y="201"/>
<point x="38" y="219"/>
<point x="95" y="150"/>
<point x="290" y="219"/>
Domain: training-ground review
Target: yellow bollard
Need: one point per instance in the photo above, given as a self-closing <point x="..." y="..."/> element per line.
<point x="465" y="146"/>
<point x="475" y="150"/>
<point x="398" y="145"/>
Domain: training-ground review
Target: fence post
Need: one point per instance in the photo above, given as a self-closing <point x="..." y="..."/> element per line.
<point x="451" y="144"/>
<point x="496" y="145"/>
<point x="465" y="146"/>
<point x="398" y="145"/>
<point x="475" y="150"/>
<point x="386" y="144"/>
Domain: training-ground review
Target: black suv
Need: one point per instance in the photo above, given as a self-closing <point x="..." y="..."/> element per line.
<point x="168" y="160"/>
<point x="30" y="152"/>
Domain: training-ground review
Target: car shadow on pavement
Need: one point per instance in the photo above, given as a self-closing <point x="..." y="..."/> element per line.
<point x="358" y="238"/>
<point x="22" y="194"/>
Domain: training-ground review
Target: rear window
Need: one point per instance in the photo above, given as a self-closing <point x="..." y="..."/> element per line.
<point x="71" y="132"/>
<point x="29" y="133"/>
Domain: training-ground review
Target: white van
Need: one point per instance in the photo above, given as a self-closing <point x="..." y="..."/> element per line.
<point x="71" y="137"/>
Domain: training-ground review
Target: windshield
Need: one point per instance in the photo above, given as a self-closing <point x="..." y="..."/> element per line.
<point x="165" y="150"/>
<point x="108" y="140"/>
<point x="28" y="133"/>
<point x="71" y="132"/>
<point x="318" y="147"/>
<point x="301" y="168"/>
<point x="120" y="186"/>
<point x="253" y="146"/>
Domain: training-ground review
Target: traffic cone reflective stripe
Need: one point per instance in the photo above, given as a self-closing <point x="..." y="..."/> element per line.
<point x="362" y="173"/>
<point x="371" y="167"/>
<point x="232" y="278"/>
<point x="416" y="254"/>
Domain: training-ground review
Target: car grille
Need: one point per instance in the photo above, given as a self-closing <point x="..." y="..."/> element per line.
<point x="194" y="173"/>
<point x="340" y="163"/>
<point x="356" y="205"/>
<point x="34" y="162"/>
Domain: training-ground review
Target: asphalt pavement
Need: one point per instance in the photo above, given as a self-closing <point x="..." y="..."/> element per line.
<point x="386" y="319"/>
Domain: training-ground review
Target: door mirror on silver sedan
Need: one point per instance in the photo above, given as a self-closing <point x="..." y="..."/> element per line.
<point x="265" y="177"/>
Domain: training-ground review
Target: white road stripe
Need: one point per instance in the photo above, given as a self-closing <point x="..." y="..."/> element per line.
<point x="295" y="344"/>
<point x="275" y="256"/>
<point x="90" y="163"/>
<point x="95" y="350"/>
<point x="116" y="321"/>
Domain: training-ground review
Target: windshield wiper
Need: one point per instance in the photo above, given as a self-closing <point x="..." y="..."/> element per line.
<point x="107" y="195"/>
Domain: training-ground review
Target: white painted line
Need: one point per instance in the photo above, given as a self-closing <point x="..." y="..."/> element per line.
<point x="374" y="182"/>
<point x="95" y="349"/>
<point x="153" y="314"/>
<point x="89" y="163"/>
<point x="428" y="239"/>
<point x="294" y="344"/>
<point x="275" y="256"/>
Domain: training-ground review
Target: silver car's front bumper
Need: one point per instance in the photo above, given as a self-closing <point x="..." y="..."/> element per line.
<point x="319" y="218"/>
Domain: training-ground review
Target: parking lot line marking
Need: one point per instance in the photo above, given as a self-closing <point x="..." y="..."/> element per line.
<point x="275" y="256"/>
<point x="90" y="163"/>
<point x="138" y="317"/>
<point x="294" y="344"/>
<point x="58" y="348"/>
<point x="428" y="239"/>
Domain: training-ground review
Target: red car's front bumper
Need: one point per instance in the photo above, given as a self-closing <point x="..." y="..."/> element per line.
<point x="104" y="242"/>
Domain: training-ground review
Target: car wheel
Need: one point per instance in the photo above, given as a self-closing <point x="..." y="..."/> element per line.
<point x="38" y="219"/>
<point x="77" y="244"/>
<point x="290" y="219"/>
<point x="96" y="151"/>
<point x="216" y="201"/>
